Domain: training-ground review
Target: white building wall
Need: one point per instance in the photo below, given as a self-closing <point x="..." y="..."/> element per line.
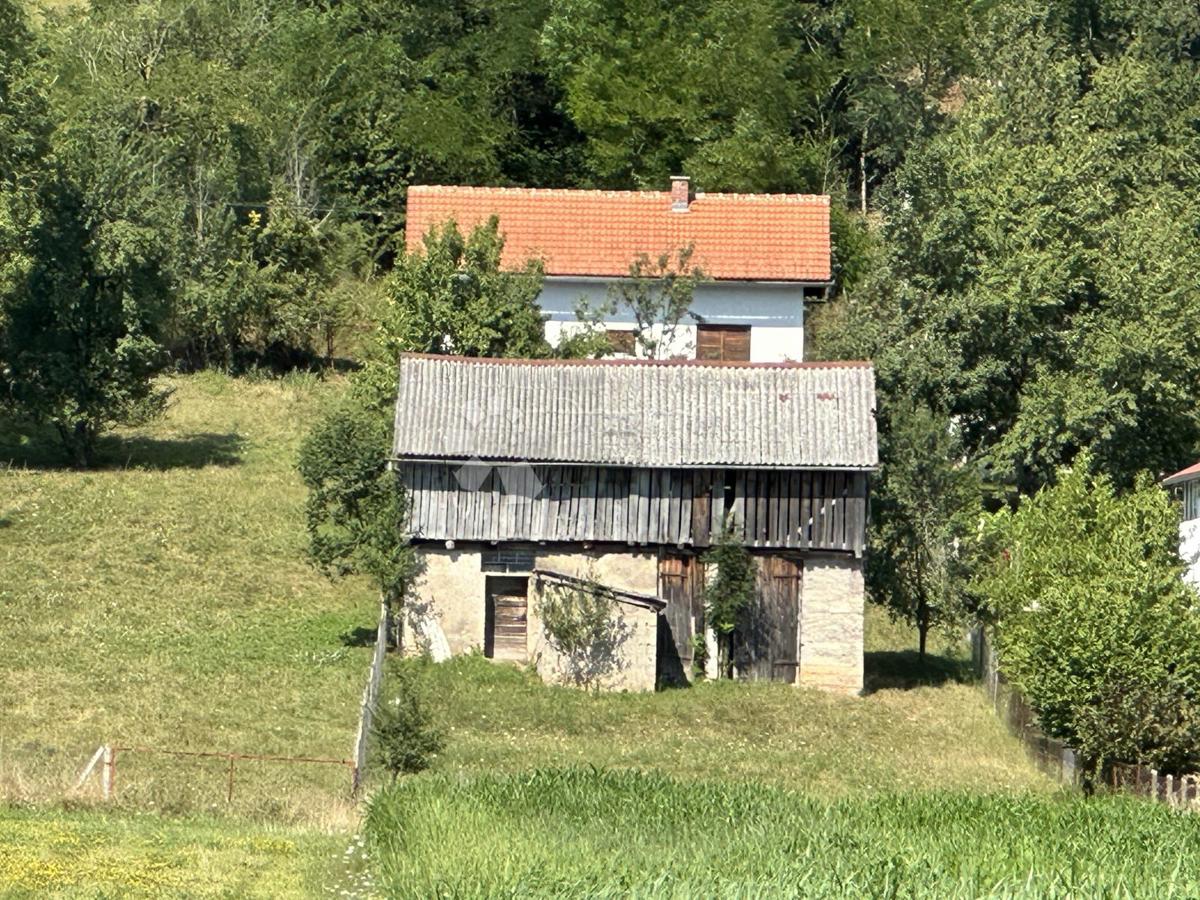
<point x="1189" y="530"/>
<point x="1189" y="549"/>
<point x="774" y="312"/>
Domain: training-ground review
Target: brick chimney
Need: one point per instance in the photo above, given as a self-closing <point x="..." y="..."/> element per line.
<point x="680" y="193"/>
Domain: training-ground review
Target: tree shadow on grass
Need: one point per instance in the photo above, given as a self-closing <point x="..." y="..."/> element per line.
<point x="903" y="670"/>
<point x="360" y="636"/>
<point x="39" y="448"/>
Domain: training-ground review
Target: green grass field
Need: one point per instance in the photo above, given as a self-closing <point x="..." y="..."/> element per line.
<point x="583" y="833"/>
<point x="120" y="854"/>
<point x="163" y="599"/>
<point x="499" y="718"/>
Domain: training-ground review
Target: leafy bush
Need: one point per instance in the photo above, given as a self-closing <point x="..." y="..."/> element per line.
<point x="355" y="504"/>
<point x="1094" y="624"/>
<point x="728" y="593"/>
<point x="580" y="623"/>
<point x="406" y="739"/>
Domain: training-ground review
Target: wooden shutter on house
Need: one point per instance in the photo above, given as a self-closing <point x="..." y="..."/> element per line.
<point x="622" y="341"/>
<point x="726" y="342"/>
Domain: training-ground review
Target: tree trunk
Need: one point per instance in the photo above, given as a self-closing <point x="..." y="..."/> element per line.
<point x="79" y="442"/>
<point x="862" y="171"/>
<point x="725" y="655"/>
<point x="922" y="627"/>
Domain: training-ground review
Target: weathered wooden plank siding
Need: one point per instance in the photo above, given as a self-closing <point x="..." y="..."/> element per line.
<point x="808" y="510"/>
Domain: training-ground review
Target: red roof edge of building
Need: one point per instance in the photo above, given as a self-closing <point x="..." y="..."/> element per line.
<point x="1183" y="475"/>
<point x="816" y="199"/>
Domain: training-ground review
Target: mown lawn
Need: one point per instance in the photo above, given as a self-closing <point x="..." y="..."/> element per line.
<point x="98" y="853"/>
<point x="163" y="600"/>
<point x="582" y="833"/>
<point x="926" y="737"/>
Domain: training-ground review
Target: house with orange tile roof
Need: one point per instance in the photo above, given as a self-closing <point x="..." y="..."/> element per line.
<point x="762" y="256"/>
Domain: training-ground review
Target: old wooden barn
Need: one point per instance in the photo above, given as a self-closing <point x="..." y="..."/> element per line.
<point x="623" y="472"/>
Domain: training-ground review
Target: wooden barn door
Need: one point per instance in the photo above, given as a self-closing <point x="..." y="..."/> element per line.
<point x="507" y="619"/>
<point x="767" y="640"/>
<point x="681" y="584"/>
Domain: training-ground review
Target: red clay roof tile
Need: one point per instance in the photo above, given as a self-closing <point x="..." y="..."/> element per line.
<point x="754" y="237"/>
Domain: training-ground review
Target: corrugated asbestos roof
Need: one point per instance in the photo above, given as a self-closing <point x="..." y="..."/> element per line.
<point x="752" y="237"/>
<point x="637" y="413"/>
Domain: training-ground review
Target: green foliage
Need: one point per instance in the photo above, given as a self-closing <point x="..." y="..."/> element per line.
<point x="728" y="592"/>
<point x="699" y="656"/>
<point x="583" y="832"/>
<point x="658" y="294"/>
<point x="651" y="86"/>
<point x="356" y="504"/>
<point x="454" y="298"/>
<point x="80" y="338"/>
<point x="1029" y="289"/>
<point x="1095" y="625"/>
<point x="582" y="624"/>
<point x="406" y="740"/>
<point x="925" y="510"/>
<point x="902" y="64"/>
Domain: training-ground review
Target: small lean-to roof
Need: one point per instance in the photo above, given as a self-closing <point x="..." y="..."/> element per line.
<point x="1189" y="474"/>
<point x="620" y="595"/>
<point x="747" y="237"/>
<point x="640" y="413"/>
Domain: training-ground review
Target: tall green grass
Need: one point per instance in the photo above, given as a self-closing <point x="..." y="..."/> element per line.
<point x="583" y="832"/>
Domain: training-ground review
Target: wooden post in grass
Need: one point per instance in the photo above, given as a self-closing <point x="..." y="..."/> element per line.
<point x="87" y="770"/>
<point x="1154" y="783"/>
<point x="1170" y="790"/>
<point x="106" y="773"/>
<point x="229" y="793"/>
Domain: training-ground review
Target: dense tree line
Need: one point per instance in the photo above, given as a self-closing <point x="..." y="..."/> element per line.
<point x="219" y="182"/>
<point x="1031" y="307"/>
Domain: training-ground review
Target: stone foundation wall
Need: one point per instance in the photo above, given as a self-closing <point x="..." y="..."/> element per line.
<point x="831" y="624"/>
<point x="447" y="615"/>
<point x="631" y="666"/>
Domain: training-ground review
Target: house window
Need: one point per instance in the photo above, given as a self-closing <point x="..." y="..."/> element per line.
<point x="622" y="341"/>
<point x="506" y="620"/>
<point x="727" y="342"/>
<point x="1191" y="500"/>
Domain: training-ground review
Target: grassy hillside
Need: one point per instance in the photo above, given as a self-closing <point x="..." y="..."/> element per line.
<point x="163" y="600"/>
<point x="930" y="737"/>
<point x="582" y="833"/>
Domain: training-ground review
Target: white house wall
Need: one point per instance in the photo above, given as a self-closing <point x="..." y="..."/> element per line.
<point x="1189" y="549"/>
<point x="774" y="312"/>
